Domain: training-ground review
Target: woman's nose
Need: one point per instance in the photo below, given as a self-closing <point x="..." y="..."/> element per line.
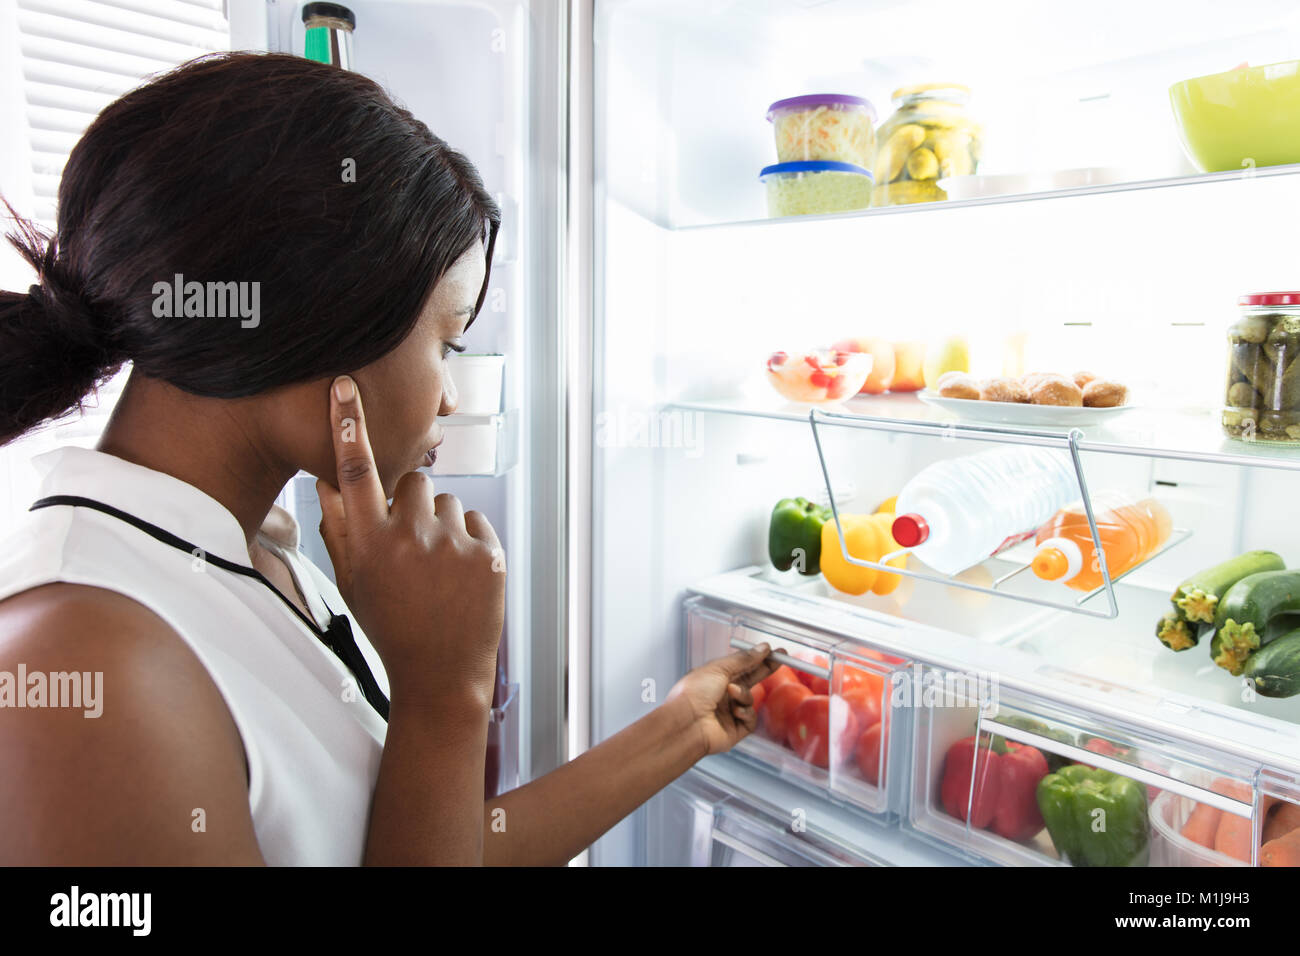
<point x="450" y="397"/>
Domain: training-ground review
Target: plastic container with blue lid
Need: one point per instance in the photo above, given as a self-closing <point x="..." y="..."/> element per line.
<point x="830" y="127"/>
<point x="813" y="187"/>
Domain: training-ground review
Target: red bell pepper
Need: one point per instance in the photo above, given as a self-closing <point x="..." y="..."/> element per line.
<point x="1005" y="797"/>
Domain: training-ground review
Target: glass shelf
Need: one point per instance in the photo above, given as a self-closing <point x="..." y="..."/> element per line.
<point x="1260" y="172"/>
<point x="1141" y="432"/>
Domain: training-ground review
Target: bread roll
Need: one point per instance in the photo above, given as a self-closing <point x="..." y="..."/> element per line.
<point x="1055" y="390"/>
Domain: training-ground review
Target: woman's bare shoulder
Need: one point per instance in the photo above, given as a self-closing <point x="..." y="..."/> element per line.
<point x="115" y="745"/>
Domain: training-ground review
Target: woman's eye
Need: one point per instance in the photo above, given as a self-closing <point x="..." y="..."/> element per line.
<point x="448" y="347"/>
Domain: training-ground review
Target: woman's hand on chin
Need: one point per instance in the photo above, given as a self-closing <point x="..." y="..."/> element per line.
<point x="425" y="580"/>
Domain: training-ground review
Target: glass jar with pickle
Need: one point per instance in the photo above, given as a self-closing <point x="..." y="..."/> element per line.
<point x="930" y="136"/>
<point x="1263" y="391"/>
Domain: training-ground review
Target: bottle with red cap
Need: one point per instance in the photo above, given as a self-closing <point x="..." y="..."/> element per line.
<point x="957" y="512"/>
<point x="1130" y="532"/>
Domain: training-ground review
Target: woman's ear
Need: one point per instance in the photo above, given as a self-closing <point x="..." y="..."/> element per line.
<point x="296" y="424"/>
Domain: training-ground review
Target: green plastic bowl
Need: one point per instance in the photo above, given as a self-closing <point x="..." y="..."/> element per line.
<point x="1242" y="118"/>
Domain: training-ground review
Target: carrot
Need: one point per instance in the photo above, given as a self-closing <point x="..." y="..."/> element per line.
<point x="1284" y="818"/>
<point x="1234" y="837"/>
<point x="1234" y="834"/>
<point x="1284" y="851"/>
<point x="1202" y="825"/>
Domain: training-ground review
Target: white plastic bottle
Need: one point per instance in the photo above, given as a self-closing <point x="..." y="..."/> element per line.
<point x="956" y="513"/>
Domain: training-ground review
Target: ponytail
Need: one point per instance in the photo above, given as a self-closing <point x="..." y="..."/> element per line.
<point x="53" y="343"/>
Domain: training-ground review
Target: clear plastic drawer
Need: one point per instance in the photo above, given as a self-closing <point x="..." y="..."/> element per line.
<point x="1013" y="778"/>
<point x="825" y="720"/>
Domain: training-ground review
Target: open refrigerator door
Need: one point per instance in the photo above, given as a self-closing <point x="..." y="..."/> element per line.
<point x="963" y="716"/>
<point x="489" y="79"/>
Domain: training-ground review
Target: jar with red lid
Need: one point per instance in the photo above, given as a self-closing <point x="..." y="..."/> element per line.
<point x="1262" y="402"/>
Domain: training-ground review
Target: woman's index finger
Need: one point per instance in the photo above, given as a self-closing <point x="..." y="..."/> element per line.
<point x="358" y="478"/>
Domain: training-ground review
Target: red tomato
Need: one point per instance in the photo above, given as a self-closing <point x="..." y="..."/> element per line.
<point x="1107" y="749"/>
<point x="818" y="685"/>
<point x="811" y="729"/>
<point x="865" y="705"/>
<point x="852" y="678"/>
<point x="759" y="693"/>
<point x="781" y="704"/>
<point x="869" y="754"/>
<point x="782" y="675"/>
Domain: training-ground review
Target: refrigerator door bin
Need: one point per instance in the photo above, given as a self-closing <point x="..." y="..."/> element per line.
<point x="479" y="445"/>
<point x="478" y="382"/>
<point x="502" y="763"/>
<point x="845" y="742"/>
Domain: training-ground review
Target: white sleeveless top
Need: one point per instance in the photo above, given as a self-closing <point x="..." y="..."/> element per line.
<point x="312" y="740"/>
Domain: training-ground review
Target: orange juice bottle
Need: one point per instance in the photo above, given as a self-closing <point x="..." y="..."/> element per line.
<point x="1129" y="531"/>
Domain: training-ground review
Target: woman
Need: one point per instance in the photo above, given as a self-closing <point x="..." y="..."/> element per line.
<point x="287" y="258"/>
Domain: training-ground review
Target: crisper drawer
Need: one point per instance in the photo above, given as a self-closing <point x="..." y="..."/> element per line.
<point x="696" y="823"/>
<point x="1015" y="778"/>
<point x="824" y="717"/>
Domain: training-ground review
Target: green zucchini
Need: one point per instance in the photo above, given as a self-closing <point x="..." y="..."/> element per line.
<point x="1280" y="626"/>
<point x="1275" y="668"/>
<point x="1245" y="611"/>
<point x="1197" y="598"/>
<point x="1176" y="633"/>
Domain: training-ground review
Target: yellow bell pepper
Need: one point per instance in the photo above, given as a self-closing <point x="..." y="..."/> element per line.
<point x="886" y="583"/>
<point x="868" y="538"/>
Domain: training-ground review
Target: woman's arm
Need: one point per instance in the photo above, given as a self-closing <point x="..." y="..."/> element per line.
<point x="152" y="774"/>
<point x="429" y="793"/>
<point x="551" y="820"/>
<point x="424" y="580"/>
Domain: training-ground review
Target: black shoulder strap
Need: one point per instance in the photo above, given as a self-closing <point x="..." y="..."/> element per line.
<point x="338" y="637"/>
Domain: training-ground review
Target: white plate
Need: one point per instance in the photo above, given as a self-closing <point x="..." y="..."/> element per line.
<point x="1014" y="413"/>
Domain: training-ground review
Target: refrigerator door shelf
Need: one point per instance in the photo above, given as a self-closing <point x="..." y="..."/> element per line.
<point x="479" y="445"/>
<point x="854" y="748"/>
<point x="503" y="746"/>
<point x="1172" y="775"/>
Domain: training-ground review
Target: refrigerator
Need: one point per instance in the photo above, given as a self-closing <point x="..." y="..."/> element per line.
<point x="639" y="287"/>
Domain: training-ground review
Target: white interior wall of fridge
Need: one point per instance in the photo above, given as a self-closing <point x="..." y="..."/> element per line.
<point x="1138" y="286"/>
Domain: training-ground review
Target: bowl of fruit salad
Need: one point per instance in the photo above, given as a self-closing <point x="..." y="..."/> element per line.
<point x="818" y="376"/>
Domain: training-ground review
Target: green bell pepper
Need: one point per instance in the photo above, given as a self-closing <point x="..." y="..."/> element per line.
<point x="1095" y="817"/>
<point x="794" y="537"/>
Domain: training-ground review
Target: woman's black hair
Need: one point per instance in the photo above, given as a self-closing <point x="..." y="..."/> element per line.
<point x="303" y="178"/>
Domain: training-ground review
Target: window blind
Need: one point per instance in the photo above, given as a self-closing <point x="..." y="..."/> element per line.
<point x="77" y="57"/>
<point x="80" y="55"/>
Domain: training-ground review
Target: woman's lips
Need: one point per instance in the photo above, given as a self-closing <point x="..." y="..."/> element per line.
<point x="431" y="455"/>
